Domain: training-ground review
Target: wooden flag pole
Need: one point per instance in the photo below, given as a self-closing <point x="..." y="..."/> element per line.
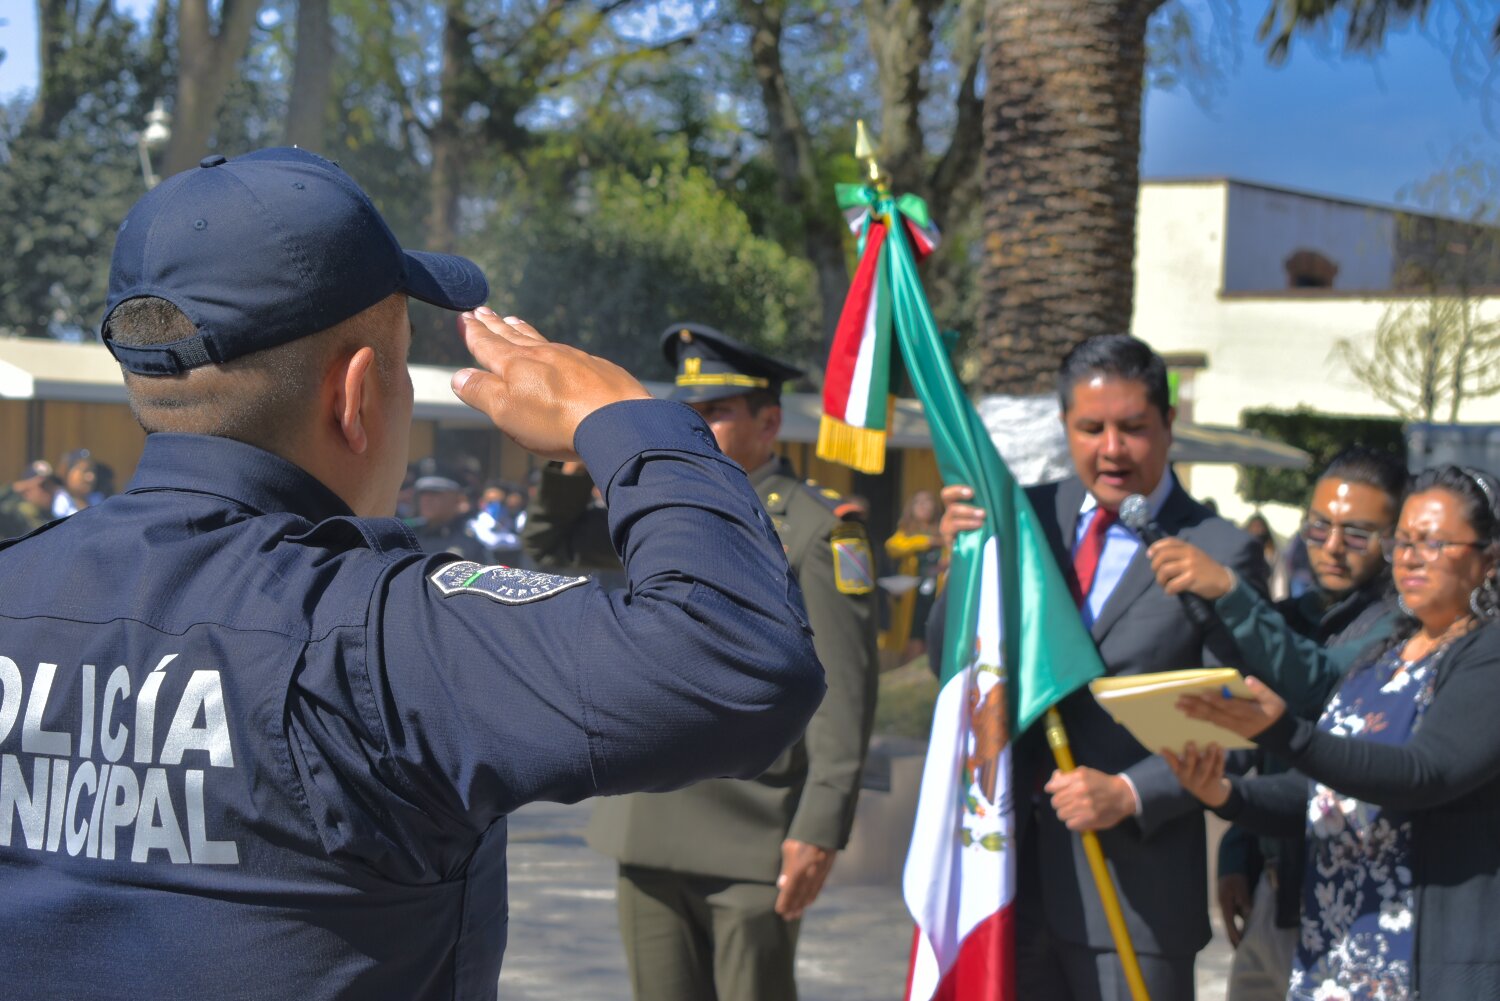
<point x="1057" y="738"/>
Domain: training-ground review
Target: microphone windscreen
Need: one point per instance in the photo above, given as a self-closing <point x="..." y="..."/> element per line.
<point x="1135" y="513"/>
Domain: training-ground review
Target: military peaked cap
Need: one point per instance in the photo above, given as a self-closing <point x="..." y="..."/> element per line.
<point x="712" y="365"/>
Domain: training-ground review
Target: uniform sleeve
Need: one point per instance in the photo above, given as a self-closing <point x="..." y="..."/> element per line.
<point x="703" y="668"/>
<point x="1300" y="669"/>
<point x="1162" y="797"/>
<point x="1454" y="751"/>
<point x="839" y="734"/>
<point x="1239" y="855"/>
<point x="1274" y="806"/>
<point x="563" y="531"/>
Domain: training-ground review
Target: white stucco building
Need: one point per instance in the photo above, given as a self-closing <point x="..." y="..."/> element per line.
<point x="1257" y="285"/>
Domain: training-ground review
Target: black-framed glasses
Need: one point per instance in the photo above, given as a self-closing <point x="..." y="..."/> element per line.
<point x="1428" y="549"/>
<point x="1318" y="533"/>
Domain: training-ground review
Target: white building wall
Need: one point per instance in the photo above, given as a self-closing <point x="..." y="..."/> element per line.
<point x="1261" y="351"/>
<point x="1266" y="227"/>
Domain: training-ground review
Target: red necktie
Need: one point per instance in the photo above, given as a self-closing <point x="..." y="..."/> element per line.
<point x="1086" y="556"/>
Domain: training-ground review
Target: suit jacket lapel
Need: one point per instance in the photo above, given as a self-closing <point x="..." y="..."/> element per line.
<point x="1069" y="499"/>
<point x="1133" y="583"/>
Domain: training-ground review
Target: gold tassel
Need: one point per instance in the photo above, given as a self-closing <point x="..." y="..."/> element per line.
<point x="859" y="448"/>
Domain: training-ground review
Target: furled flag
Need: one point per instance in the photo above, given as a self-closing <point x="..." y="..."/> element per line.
<point x="856" y="387"/>
<point x="1013" y="646"/>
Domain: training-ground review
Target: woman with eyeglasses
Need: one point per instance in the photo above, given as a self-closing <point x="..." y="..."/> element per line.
<point x="1399" y="791"/>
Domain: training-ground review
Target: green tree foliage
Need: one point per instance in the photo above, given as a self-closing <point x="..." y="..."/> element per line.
<point x="70" y="168"/>
<point x="1322" y="436"/>
<point x="631" y="255"/>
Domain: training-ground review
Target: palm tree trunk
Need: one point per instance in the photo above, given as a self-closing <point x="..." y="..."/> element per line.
<point x="1061" y="171"/>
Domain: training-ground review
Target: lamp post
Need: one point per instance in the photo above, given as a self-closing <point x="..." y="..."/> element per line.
<point x="154" y="137"/>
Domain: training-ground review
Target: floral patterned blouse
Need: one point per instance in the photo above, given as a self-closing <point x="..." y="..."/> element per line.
<point x="1358" y="909"/>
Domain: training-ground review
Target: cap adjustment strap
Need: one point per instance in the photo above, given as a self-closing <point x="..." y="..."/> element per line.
<point x="162" y="359"/>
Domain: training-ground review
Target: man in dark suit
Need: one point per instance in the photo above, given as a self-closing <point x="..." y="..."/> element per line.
<point x="1117" y="413"/>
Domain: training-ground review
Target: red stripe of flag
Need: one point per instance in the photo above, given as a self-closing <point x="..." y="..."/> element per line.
<point x="986" y="966"/>
<point x="844" y="355"/>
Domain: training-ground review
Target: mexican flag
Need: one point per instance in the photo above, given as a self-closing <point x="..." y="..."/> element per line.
<point x="1013" y="646"/>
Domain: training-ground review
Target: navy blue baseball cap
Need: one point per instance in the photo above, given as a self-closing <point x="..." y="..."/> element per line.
<point x="261" y="250"/>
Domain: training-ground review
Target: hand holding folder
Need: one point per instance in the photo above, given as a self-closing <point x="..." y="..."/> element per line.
<point x="1146" y="705"/>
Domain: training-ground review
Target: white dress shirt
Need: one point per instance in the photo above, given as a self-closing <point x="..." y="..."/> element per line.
<point x="1120" y="544"/>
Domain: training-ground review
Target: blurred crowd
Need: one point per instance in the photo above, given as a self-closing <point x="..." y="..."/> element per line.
<point x="452" y="509"/>
<point x="43" y="492"/>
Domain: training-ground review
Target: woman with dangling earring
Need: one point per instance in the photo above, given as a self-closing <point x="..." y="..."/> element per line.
<point x="1398" y="794"/>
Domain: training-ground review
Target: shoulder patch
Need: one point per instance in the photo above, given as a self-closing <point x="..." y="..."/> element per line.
<point x="853" y="566"/>
<point x="507" y="585"/>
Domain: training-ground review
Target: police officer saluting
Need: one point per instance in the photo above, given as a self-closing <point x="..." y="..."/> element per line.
<point x="252" y="742"/>
<point x="714" y="878"/>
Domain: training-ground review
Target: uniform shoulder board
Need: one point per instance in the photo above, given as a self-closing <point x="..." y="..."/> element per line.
<point x="832" y="500"/>
<point x="507" y="585"/>
<point x="826" y="497"/>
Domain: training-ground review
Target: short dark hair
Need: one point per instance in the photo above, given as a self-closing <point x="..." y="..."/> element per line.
<point x="1478" y="491"/>
<point x="1372" y="467"/>
<point x="277" y="383"/>
<point x="1118" y="356"/>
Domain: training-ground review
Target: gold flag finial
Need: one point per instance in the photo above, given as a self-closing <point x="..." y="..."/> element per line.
<point x="865" y="150"/>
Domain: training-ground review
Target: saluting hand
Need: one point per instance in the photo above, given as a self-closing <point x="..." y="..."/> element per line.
<point x="804" y="868"/>
<point x="535" y="391"/>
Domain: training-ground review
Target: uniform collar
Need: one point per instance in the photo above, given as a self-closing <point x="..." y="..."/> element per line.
<point x="771" y="467"/>
<point x="235" y="471"/>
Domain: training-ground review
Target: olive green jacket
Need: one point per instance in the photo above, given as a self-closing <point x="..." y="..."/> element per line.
<point x="727" y="827"/>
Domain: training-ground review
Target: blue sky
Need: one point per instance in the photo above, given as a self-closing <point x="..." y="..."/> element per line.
<point x="1356" y="127"/>
<point x="1352" y="126"/>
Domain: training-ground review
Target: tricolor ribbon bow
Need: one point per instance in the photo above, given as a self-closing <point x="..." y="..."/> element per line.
<point x="856" y="389"/>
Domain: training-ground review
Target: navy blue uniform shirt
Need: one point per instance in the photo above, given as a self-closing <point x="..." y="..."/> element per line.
<point x="252" y="746"/>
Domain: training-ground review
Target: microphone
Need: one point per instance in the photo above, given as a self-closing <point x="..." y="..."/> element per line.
<point x="1135" y="514"/>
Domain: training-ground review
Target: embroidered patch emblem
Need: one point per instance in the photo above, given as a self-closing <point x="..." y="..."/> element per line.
<point x="507" y="585"/>
<point x="853" y="567"/>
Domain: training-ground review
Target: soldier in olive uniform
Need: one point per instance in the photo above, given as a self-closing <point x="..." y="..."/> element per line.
<point x="442" y="522"/>
<point x="26" y="504"/>
<point x="714" y="878"/>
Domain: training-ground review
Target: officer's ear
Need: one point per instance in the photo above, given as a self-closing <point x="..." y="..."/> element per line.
<point x="768" y="421"/>
<point x="355" y="384"/>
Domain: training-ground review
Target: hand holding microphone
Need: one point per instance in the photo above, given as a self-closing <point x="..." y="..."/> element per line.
<point x="1181" y="568"/>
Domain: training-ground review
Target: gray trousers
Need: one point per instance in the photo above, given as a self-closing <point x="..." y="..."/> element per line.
<point x="1263" y="959"/>
<point x="701" y="938"/>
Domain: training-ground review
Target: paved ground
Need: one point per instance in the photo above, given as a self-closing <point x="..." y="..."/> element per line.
<point x="564" y="946"/>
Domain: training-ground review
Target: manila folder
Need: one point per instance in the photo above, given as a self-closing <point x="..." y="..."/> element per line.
<point x="1146" y="705"/>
